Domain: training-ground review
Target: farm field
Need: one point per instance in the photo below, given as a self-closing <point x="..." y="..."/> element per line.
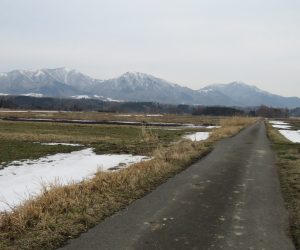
<point x="102" y="116"/>
<point x="107" y="147"/>
<point x="104" y="138"/>
<point x="22" y="140"/>
<point x="284" y="134"/>
<point x="82" y="204"/>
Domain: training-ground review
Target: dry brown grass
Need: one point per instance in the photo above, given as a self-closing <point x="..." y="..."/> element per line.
<point x="231" y="126"/>
<point x="149" y="135"/>
<point x="99" y="116"/>
<point x="288" y="159"/>
<point x="236" y="121"/>
<point x="62" y="212"/>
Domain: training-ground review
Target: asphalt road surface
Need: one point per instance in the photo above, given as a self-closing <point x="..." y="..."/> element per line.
<point x="230" y="199"/>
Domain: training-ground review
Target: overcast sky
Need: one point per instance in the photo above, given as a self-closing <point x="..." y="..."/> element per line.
<point x="190" y="42"/>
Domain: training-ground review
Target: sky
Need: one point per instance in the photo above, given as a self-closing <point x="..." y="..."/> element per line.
<point x="190" y="42"/>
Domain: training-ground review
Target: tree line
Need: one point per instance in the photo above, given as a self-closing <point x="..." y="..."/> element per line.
<point x="65" y="104"/>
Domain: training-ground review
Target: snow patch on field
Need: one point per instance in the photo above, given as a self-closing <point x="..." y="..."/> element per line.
<point x="191" y="126"/>
<point x="213" y="126"/>
<point x="284" y="129"/>
<point x="21" y="180"/>
<point x="154" y="115"/>
<point x="200" y="126"/>
<point x="278" y="123"/>
<point x="292" y="135"/>
<point x="199" y="136"/>
<point x="124" y="115"/>
<point x="281" y="126"/>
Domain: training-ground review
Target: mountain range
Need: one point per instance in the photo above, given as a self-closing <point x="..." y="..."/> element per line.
<point x="134" y="86"/>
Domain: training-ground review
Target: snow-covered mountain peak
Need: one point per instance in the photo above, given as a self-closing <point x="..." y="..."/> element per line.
<point x="134" y="86"/>
<point x="134" y="80"/>
<point x="53" y="78"/>
<point x="39" y="73"/>
<point x="246" y="87"/>
<point x="136" y="75"/>
<point x="234" y="86"/>
<point x="205" y="91"/>
<point x="132" y="74"/>
<point x="238" y="83"/>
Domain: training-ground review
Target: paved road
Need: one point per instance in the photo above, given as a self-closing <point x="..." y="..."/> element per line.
<point x="229" y="200"/>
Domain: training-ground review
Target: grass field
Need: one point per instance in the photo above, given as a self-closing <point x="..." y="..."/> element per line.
<point x="65" y="211"/>
<point x="295" y="123"/>
<point x="104" y="138"/>
<point x="99" y="116"/>
<point x="288" y="156"/>
<point x="17" y="150"/>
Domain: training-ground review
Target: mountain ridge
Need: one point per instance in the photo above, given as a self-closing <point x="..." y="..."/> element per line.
<point x="135" y="86"/>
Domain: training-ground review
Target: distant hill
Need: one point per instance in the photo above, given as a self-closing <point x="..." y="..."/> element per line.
<point x="60" y="82"/>
<point x="246" y="95"/>
<point x="134" y="86"/>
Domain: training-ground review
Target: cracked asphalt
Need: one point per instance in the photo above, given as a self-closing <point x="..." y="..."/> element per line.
<point x="230" y="199"/>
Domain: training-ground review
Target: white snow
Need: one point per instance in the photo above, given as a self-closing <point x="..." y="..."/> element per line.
<point x="213" y="126"/>
<point x="124" y="115"/>
<point x="278" y="122"/>
<point x="3" y="94"/>
<point x="284" y="129"/>
<point x="33" y="94"/>
<point x="154" y="115"/>
<point x="81" y="97"/>
<point x="113" y="100"/>
<point x="281" y="126"/>
<point x="21" y="180"/>
<point x="292" y="135"/>
<point x="205" y="91"/>
<point x="38" y="73"/>
<point x="190" y="125"/>
<point x="97" y="96"/>
<point x="198" y="136"/>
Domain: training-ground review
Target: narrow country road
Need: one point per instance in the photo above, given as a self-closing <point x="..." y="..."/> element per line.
<point x="231" y="199"/>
